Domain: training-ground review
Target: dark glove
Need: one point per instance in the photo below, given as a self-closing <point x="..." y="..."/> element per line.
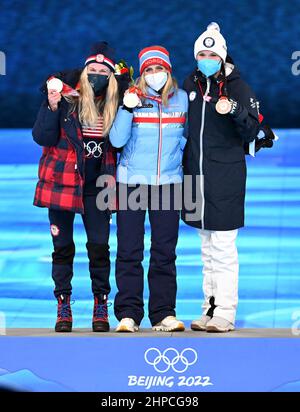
<point x="260" y="143"/>
<point x="266" y="132"/>
<point x="124" y="77"/>
<point x="265" y="138"/>
<point x="130" y="110"/>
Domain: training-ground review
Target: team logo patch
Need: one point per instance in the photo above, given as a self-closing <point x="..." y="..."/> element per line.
<point x="209" y="42"/>
<point x="54" y="230"/>
<point x="192" y="96"/>
<point x="99" y="58"/>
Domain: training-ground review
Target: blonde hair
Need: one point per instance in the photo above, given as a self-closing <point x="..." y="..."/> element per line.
<point x="89" y="109"/>
<point x="171" y="83"/>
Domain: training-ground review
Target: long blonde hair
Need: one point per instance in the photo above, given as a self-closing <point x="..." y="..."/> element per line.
<point x="89" y="108"/>
<point x="171" y="83"/>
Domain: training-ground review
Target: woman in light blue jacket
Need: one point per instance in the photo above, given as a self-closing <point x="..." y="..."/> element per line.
<point x="149" y="176"/>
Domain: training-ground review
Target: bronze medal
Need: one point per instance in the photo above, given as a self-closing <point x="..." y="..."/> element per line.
<point x="223" y="105"/>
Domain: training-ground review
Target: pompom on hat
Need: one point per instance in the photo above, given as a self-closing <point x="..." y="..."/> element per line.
<point x="102" y="53"/>
<point x="154" y="55"/>
<point x="211" y="40"/>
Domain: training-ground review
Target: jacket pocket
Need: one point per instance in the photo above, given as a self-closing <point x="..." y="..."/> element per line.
<point x="231" y="155"/>
<point x="176" y="160"/>
<point x="46" y="164"/>
<point x="65" y="171"/>
<point x="127" y="152"/>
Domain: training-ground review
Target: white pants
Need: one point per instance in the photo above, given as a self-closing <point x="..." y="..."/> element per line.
<point x="220" y="272"/>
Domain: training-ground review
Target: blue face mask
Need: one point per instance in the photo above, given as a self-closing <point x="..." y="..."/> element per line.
<point x="209" y="66"/>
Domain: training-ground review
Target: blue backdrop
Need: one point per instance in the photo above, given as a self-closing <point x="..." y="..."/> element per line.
<point x="42" y="36"/>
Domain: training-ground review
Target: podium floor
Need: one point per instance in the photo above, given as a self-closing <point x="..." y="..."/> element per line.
<point x="256" y="360"/>
<point x="147" y="333"/>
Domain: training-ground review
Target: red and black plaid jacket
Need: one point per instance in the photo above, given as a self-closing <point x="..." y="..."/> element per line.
<point x="61" y="167"/>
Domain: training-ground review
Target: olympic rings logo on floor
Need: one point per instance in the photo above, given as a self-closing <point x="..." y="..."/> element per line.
<point x="171" y="358"/>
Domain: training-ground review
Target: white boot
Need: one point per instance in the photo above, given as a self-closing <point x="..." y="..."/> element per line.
<point x="169" y="324"/>
<point x="217" y="324"/>
<point x="127" y="325"/>
<point x="200" y="324"/>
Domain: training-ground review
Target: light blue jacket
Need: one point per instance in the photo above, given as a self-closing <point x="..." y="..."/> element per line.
<point x="153" y="140"/>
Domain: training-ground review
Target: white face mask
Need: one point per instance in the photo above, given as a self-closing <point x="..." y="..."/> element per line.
<point x="156" y="80"/>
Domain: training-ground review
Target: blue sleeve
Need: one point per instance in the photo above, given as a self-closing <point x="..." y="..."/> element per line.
<point x="120" y="131"/>
<point x="186" y="128"/>
<point x="46" y="130"/>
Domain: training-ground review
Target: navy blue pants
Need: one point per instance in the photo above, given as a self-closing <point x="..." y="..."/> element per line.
<point x="97" y="227"/>
<point x="162" y="269"/>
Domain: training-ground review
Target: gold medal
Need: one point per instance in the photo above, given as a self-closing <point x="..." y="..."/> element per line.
<point x="223" y="105"/>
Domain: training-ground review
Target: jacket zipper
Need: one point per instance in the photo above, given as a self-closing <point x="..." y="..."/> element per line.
<point x="76" y="165"/>
<point x="159" y="144"/>
<point x="208" y="82"/>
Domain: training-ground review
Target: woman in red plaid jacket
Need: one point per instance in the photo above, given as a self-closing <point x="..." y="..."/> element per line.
<point x="73" y="126"/>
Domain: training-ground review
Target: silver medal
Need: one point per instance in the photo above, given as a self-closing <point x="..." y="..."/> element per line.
<point x="131" y="100"/>
<point x="55" y="84"/>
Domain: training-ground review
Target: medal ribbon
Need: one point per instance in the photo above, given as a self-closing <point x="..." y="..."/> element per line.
<point x="137" y="91"/>
<point x="67" y="90"/>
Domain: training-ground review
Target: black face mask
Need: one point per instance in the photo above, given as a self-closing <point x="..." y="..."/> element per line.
<point x="99" y="82"/>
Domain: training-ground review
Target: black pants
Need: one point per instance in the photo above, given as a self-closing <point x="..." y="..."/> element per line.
<point x="162" y="269"/>
<point x="97" y="227"/>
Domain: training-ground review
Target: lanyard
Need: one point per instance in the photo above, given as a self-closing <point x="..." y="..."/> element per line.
<point x="221" y="86"/>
